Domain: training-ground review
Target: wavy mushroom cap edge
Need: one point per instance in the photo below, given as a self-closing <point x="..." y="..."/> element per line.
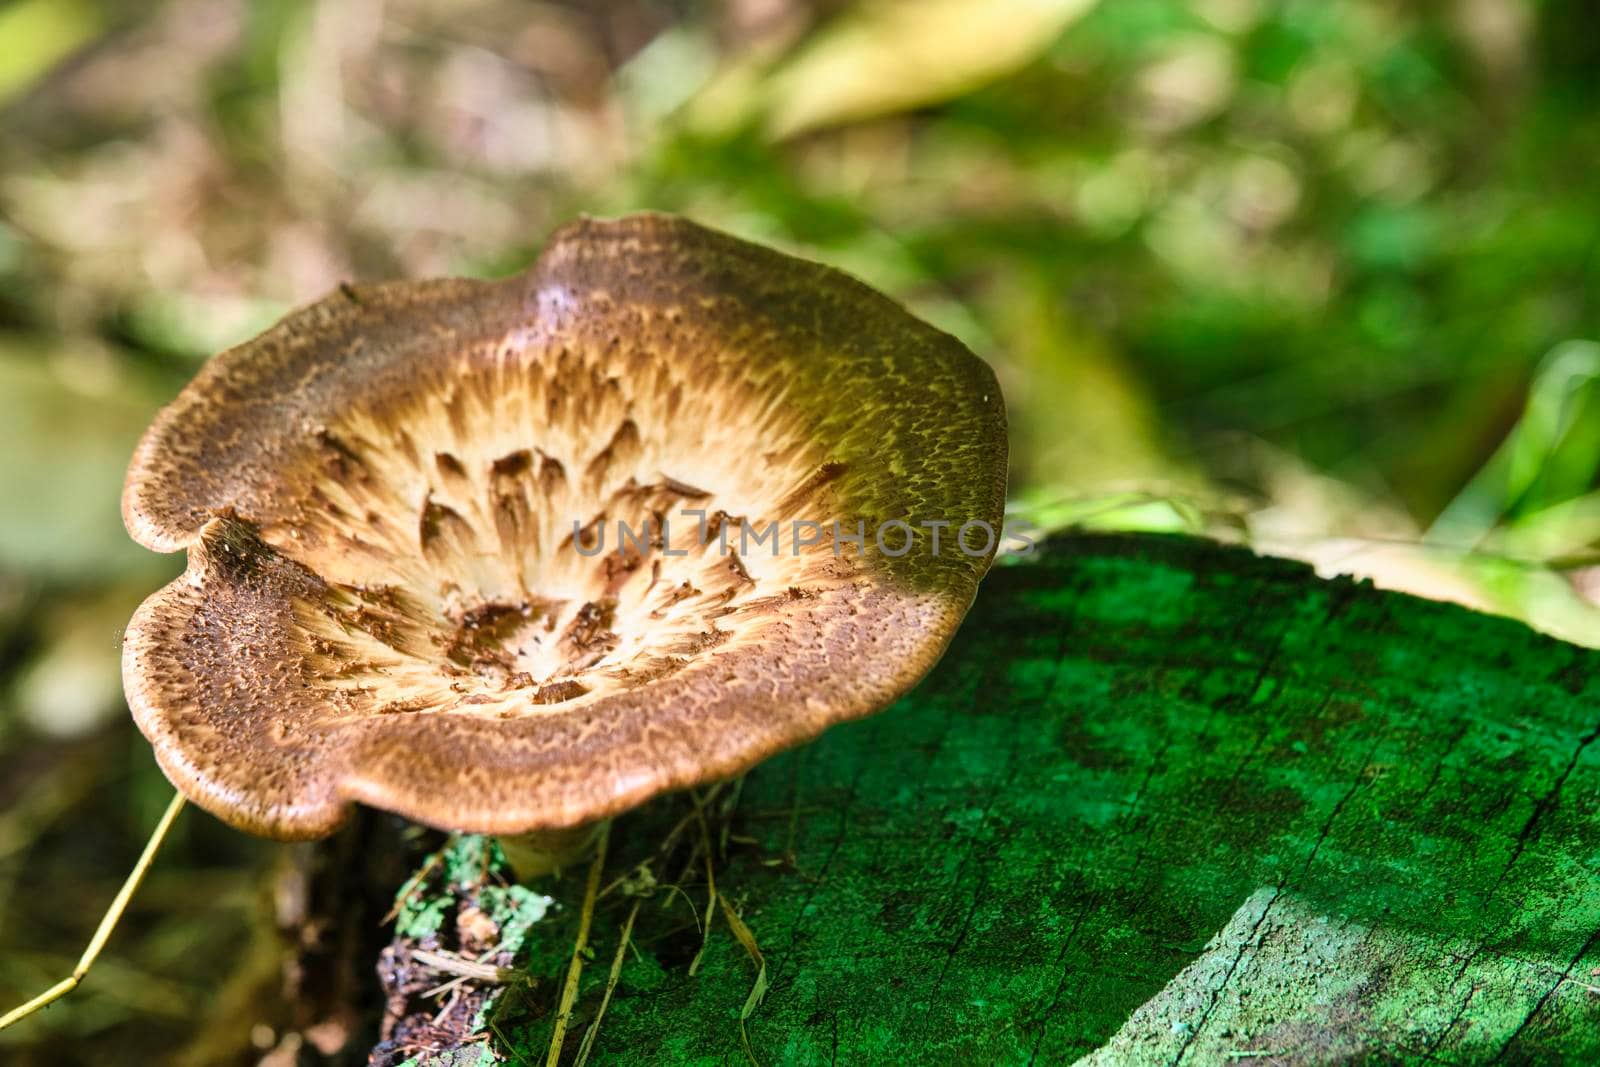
<point x="391" y="502"/>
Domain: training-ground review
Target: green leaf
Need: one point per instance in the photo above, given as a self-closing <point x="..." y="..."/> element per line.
<point x="69" y="432"/>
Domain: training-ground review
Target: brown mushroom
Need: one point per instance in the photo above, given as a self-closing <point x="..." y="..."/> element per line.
<point x="446" y="548"/>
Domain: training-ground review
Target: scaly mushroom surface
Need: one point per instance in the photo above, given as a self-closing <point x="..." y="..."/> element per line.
<point x="408" y="580"/>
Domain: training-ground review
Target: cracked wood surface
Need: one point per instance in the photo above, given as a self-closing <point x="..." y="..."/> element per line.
<point x="1162" y="802"/>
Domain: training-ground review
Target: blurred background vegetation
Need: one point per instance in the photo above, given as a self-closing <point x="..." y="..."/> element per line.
<point x="1322" y="276"/>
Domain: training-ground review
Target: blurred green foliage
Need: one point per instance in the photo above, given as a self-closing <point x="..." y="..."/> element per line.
<point x="1322" y="276"/>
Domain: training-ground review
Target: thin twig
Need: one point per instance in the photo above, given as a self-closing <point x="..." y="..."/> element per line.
<point x="450" y="963"/>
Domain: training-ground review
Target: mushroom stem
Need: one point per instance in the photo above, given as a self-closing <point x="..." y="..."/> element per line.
<point x="538" y="853"/>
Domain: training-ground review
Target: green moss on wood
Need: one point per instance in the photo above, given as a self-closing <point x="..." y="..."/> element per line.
<point x="1162" y="802"/>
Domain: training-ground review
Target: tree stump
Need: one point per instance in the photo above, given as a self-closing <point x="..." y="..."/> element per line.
<point x="1162" y="802"/>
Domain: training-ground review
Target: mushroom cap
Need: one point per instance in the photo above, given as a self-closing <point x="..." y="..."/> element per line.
<point x="391" y="502"/>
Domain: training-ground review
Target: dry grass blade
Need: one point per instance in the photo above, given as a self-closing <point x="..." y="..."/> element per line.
<point x="569" y="992"/>
<point x="729" y="802"/>
<point x="711" y="886"/>
<point x="699" y="803"/>
<point x="108" y="922"/>
<point x="694" y="912"/>
<point x="412" y="885"/>
<point x="611" y="985"/>
<point x="757" y="991"/>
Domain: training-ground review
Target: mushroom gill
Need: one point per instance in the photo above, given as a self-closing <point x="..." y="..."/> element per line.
<point x="514" y="556"/>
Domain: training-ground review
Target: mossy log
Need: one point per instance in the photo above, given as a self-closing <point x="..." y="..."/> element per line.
<point x="1162" y="802"/>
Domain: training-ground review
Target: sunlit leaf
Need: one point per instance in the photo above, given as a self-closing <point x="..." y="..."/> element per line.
<point x="897" y="55"/>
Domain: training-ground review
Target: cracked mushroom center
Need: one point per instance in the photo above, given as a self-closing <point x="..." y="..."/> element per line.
<point x="540" y="527"/>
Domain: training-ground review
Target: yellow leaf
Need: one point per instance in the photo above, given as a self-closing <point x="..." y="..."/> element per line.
<point x="893" y="56"/>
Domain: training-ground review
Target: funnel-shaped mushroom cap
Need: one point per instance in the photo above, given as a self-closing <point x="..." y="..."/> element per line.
<point x="409" y="581"/>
